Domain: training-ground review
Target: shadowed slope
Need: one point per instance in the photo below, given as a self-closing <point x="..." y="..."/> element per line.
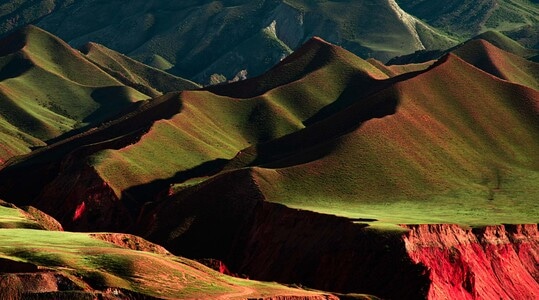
<point x="505" y="43"/>
<point x="315" y="55"/>
<point x="491" y="59"/>
<point x="150" y="81"/>
<point x="499" y="63"/>
<point x="395" y="70"/>
<point x="495" y="38"/>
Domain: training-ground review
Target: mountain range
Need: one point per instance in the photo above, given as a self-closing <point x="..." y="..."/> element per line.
<point x="269" y="149"/>
<point x="231" y="40"/>
<point x="315" y="173"/>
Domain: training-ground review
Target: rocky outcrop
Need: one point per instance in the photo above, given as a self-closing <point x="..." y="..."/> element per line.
<point x="494" y="262"/>
<point x="20" y="285"/>
<point x="130" y="241"/>
<point x="289" y="26"/>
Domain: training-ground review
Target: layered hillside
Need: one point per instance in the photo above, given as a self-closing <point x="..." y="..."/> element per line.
<point x="150" y="81"/>
<point x="38" y="263"/>
<point x="202" y="131"/>
<point x="261" y="173"/>
<point x="48" y="90"/>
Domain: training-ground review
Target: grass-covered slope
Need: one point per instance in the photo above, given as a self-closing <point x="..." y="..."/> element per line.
<point x="500" y="63"/>
<point x="460" y="148"/>
<point x="179" y="135"/>
<point x="211" y="126"/>
<point x="66" y="265"/>
<point x="48" y="89"/>
<point x="150" y="81"/>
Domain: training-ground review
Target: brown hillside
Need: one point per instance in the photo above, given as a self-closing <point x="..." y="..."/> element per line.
<point x="500" y="63"/>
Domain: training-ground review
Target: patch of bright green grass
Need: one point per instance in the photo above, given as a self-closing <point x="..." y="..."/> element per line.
<point x="103" y="265"/>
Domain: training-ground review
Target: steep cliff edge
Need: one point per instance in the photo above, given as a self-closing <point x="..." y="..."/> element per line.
<point x="494" y="262"/>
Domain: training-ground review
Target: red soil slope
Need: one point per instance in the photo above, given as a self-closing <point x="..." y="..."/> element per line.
<point x="495" y="262"/>
<point x="500" y="63"/>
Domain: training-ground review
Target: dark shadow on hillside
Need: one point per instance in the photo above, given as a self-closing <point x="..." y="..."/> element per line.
<point x="153" y="190"/>
<point x="120" y="266"/>
<point x="111" y="99"/>
<point x="359" y="88"/>
<point x="81" y="130"/>
<point x="38" y="257"/>
<point x="18" y="65"/>
<point x="320" y="137"/>
<point x="12" y="43"/>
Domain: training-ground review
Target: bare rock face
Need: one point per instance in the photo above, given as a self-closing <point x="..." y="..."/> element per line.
<point x="494" y="262"/>
<point x="288" y="24"/>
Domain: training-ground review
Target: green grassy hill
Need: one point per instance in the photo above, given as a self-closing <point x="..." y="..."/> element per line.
<point x="446" y="133"/>
<point x="49" y="90"/>
<point x="323" y="136"/>
<point x="36" y="263"/>
<point x="182" y="132"/>
<point x="461" y="146"/>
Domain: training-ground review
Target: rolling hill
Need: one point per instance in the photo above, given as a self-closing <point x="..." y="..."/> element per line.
<point x="49" y="90"/>
<point x="199" y="127"/>
<point x="497" y="39"/>
<point x="261" y="173"/>
<point x="240" y="39"/>
<point x="52" y="264"/>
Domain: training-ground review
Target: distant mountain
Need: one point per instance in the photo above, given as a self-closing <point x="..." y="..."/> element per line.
<point x="261" y="173"/>
<point x="48" y="89"/>
<point x="198" y="39"/>
<point x="519" y="19"/>
<point x="495" y="38"/>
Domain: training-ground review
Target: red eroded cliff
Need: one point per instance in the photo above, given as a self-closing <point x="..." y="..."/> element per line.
<point x="83" y="201"/>
<point x="494" y="262"/>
